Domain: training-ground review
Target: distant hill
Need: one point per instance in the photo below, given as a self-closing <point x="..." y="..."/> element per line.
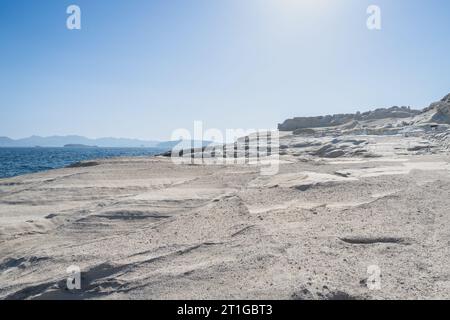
<point x="61" y="141"/>
<point x="437" y="113"/>
<point x="78" y="146"/>
<point x="341" y="119"/>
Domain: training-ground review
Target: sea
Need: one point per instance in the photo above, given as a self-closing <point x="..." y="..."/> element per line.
<point x="18" y="161"/>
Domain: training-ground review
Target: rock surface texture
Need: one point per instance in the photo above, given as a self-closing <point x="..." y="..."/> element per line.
<point x="396" y="117"/>
<point x="362" y="194"/>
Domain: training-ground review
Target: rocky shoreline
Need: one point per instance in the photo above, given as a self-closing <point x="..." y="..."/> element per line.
<point x="341" y="204"/>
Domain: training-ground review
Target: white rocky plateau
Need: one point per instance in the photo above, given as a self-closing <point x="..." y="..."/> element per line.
<point x="352" y="191"/>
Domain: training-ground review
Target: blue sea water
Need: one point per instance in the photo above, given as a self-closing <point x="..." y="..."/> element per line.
<point x="17" y="161"/>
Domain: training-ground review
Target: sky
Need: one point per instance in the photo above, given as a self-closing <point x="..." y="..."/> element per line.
<point x="143" y="68"/>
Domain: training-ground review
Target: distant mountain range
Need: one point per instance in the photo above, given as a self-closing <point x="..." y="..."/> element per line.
<point x="61" y="141"/>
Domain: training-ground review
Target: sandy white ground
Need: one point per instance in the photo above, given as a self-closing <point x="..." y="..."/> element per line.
<point x="145" y="228"/>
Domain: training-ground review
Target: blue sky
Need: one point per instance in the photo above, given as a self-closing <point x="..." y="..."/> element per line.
<point x="142" y="69"/>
